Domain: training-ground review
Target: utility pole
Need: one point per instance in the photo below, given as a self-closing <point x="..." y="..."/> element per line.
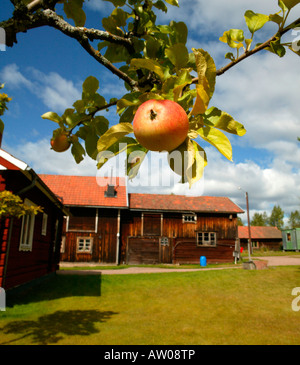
<point x="249" y="227"/>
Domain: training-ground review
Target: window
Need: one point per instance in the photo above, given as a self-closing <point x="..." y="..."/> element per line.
<point x="189" y="218"/>
<point x="288" y="237"/>
<point x="27" y="229"/>
<point x="84" y="244"/>
<point x="44" y="224"/>
<point x="164" y="241"/>
<point x="206" y="239"/>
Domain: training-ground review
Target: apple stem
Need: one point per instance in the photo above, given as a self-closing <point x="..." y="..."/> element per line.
<point x="153" y="115"/>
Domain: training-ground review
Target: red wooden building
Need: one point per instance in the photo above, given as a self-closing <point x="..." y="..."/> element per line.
<point x="107" y="225"/>
<point x="92" y="230"/>
<point x="261" y="237"/>
<point x="29" y="246"/>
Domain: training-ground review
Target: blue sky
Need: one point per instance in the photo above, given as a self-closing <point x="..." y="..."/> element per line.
<point x="45" y="71"/>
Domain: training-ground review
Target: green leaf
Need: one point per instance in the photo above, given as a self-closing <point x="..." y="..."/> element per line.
<point x="206" y="70"/>
<point x="178" y="55"/>
<point x="188" y="161"/>
<point x="216" y="118"/>
<point x="161" y="6"/>
<point x="233" y="38"/>
<point x="276" y="18"/>
<point x="255" y="21"/>
<point x="115" y="149"/>
<point x="131" y="99"/>
<point x="117" y="2"/>
<point x="152" y="47"/>
<point x="79" y="105"/>
<point x="230" y="56"/>
<point x="289" y="3"/>
<point x="277" y="48"/>
<point x="90" y="85"/>
<point x="202" y="101"/>
<point x="113" y="135"/>
<point x="282" y="5"/>
<point x="52" y="116"/>
<point x="117" y="53"/>
<point x="120" y="17"/>
<point x="173" y="2"/>
<point x="135" y="157"/>
<point x="101" y="124"/>
<point x="73" y="10"/>
<point x="71" y="118"/>
<point x="148" y="64"/>
<point x="77" y="151"/>
<point x="217" y="139"/>
<point x="179" y="32"/>
<point x="181" y="81"/>
<point x="91" y="141"/>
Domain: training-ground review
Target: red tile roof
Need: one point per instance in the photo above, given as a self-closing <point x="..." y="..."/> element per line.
<point x="89" y="191"/>
<point x="86" y="190"/>
<point x="182" y="203"/>
<point x="259" y="232"/>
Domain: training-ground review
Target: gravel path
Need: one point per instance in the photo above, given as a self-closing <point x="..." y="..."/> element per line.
<point x="138" y="270"/>
<point x="272" y="261"/>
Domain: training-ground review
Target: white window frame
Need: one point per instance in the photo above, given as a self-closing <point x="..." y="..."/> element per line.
<point x="44" y="224"/>
<point x="206" y="239"/>
<point x="63" y="244"/>
<point x="84" y="249"/>
<point x="189" y="218"/>
<point x="27" y="229"/>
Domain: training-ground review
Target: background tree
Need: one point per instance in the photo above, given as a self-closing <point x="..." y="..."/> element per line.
<point x="276" y="217"/>
<point x="154" y="63"/>
<point x="294" y="219"/>
<point x="259" y="219"/>
<point x="239" y="221"/>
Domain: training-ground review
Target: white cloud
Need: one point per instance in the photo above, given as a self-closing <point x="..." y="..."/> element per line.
<point x="277" y="184"/>
<point x="43" y="160"/>
<point x="53" y="90"/>
<point x="11" y="75"/>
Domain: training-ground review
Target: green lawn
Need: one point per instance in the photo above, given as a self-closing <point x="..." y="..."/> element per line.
<point x="232" y="306"/>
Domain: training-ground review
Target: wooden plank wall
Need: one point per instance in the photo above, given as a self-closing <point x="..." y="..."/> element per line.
<point x="104" y="239"/>
<point x="24" y="266"/>
<point x="182" y="238"/>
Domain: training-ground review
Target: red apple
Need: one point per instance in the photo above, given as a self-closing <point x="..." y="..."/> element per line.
<point x="60" y="142"/>
<point x="160" y="125"/>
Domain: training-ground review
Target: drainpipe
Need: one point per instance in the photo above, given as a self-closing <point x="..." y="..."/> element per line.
<point x="118" y="237"/>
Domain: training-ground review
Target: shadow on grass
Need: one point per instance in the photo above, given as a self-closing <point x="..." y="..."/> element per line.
<point x="56" y="287"/>
<point x="51" y="328"/>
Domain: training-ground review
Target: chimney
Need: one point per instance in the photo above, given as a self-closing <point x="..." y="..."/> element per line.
<point x="110" y="192"/>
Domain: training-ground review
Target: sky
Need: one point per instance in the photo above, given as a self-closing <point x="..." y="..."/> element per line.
<point x="44" y="72"/>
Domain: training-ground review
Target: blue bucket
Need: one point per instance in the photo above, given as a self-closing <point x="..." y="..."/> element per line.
<point x="202" y="261"/>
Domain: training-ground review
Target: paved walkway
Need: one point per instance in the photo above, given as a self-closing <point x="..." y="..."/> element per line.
<point x="280" y="260"/>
